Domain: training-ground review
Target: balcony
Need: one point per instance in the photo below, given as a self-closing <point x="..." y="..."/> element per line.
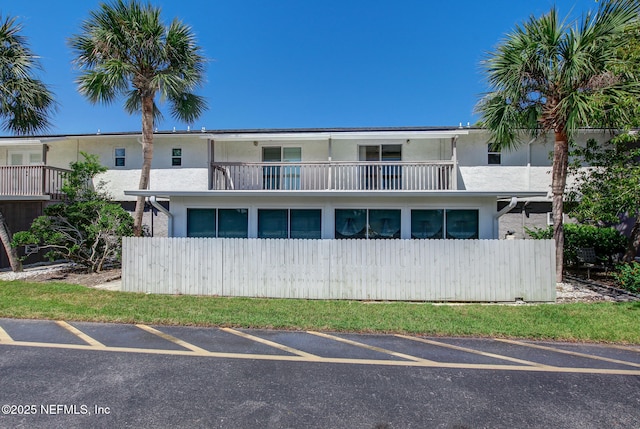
<point x="342" y="176"/>
<point x="31" y="181"/>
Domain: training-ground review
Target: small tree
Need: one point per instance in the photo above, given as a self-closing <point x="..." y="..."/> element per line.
<point x="551" y="75"/>
<point x="25" y="102"/>
<point x="87" y="228"/>
<point x="124" y="49"/>
<point x="610" y="189"/>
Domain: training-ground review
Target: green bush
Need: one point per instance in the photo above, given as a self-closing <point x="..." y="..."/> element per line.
<point x="87" y="228"/>
<point x="607" y="242"/>
<point x="628" y="276"/>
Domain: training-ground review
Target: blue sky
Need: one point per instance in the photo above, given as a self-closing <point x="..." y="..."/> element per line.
<point x="304" y="63"/>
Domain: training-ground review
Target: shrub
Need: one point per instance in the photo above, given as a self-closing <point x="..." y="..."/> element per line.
<point x="607" y="242"/>
<point x="87" y="228"/>
<point x="628" y="276"/>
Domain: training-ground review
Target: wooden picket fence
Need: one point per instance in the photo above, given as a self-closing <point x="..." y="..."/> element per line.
<point x="405" y="270"/>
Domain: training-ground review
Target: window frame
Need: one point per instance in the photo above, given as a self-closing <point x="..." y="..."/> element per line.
<point x="288" y="222"/>
<point x="368" y="230"/>
<point x="216" y="211"/>
<point x="117" y="157"/>
<point x="175" y="157"/>
<point x="494" y="154"/>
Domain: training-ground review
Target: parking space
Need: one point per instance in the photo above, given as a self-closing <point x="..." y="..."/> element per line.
<point x="335" y="348"/>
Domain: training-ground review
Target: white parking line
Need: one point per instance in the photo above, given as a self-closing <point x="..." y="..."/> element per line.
<point x="368" y="347"/>
<point x="303" y="357"/>
<point x="478" y="352"/>
<point x="568" y="352"/>
<point x="270" y="343"/>
<point x="173" y="339"/>
<point x="4" y="337"/>
<point x="78" y="333"/>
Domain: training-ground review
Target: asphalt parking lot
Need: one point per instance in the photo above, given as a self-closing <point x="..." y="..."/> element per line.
<point x="321" y="347"/>
<point x="58" y="374"/>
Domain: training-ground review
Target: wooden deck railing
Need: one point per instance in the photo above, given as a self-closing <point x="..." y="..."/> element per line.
<point x="31" y="180"/>
<point x="347" y="176"/>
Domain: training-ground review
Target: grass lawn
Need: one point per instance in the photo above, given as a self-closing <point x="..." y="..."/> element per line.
<point x="598" y="322"/>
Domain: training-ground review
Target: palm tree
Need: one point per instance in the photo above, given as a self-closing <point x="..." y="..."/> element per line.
<point x="124" y="49"/>
<point x="25" y="102"/>
<point x="557" y="76"/>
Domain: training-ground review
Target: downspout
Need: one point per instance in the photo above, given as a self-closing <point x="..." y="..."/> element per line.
<point x="210" y="156"/>
<point x="504" y="211"/>
<point x="454" y="159"/>
<point x="154" y="202"/>
<point x="330" y="158"/>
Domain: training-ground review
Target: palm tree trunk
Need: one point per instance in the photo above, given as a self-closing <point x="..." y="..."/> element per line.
<point x="12" y="254"/>
<point x="559" y="181"/>
<point x="147" y="156"/>
<point x="634" y="242"/>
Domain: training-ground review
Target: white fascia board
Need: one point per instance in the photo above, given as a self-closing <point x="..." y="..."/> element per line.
<point x="262" y="137"/>
<point x="22" y="142"/>
<point x="336" y="194"/>
<point x="404" y="135"/>
<point x="348" y="135"/>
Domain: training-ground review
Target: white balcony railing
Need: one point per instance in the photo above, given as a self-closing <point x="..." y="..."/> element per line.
<point x="346" y="176"/>
<point x="31" y="180"/>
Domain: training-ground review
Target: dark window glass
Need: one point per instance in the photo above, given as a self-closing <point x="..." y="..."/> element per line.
<point x="120" y="154"/>
<point x="201" y="222"/>
<point x="384" y="223"/>
<point x="273" y="223"/>
<point x="462" y="224"/>
<point x="233" y="223"/>
<point x="427" y="224"/>
<point x="351" y="223"/>
<point x="494" y="156"/>
<point x="176" y="157"/>
<point x="306" y="223"/>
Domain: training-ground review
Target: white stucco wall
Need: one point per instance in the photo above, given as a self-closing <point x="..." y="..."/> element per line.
<point x="485" y="205"/>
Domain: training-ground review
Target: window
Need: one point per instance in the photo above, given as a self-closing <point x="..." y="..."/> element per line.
<point x="375" y="176"/>
<point x="462" y="224"/>
<point x="427" y="224"/>
<point x="364" y="223"/>
<point x="272" y="223"/>
<point x="176" y="157"/>
<point x="286" y="223"/>
<point x="222" y="223"/>
<point x="432" y="224"/>
<point x="494" y="157"/>
<point x="305" y="223"/>
<point x="25" y="157"/>
<point x="119" y="156"/>
<point x="201" y="222"/>
<point x="233" y="223"/>
<point x="281" y="177"/>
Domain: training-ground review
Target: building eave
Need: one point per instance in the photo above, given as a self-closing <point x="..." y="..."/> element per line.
<point x="337" y="194"/>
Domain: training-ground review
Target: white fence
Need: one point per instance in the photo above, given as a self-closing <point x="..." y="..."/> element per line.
<point x="361" y="176"/>
<point x="408" y="270"/>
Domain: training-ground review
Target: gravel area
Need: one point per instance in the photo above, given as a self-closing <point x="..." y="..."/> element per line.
<point x="573" y="289"/>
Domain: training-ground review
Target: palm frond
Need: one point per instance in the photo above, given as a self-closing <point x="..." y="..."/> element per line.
<point x="560" y="70"/>
<point x="26" y="103"/>
<point x="125" y="48"/>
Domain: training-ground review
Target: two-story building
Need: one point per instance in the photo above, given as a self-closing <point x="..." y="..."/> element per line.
<point x="366" y="183"/>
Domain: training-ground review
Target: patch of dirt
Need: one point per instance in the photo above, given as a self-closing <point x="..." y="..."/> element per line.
<point x="67" y="273"/>
<point x="80" y="277"/>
